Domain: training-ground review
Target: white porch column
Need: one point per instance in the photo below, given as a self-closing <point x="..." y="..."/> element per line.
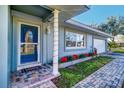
<point x="55" y="43"/>
<point x="4" y="56"/>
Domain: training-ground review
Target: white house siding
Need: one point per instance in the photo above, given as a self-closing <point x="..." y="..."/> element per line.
<point x="63" y="52"/>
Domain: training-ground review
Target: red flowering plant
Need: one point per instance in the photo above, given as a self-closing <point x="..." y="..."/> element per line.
<point x="87" y="54"/>
<point x="95" y="51"/>
<point x="64" y="59"/>
<point x="75" y="56"/>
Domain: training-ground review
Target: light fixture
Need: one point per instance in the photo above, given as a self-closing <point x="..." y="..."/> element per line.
<point x="48" y="28"/>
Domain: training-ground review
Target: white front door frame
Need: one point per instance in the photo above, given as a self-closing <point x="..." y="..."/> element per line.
<point x="26" y="65"/>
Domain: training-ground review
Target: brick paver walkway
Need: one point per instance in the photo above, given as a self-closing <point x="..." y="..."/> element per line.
<point x="109" y="76"/>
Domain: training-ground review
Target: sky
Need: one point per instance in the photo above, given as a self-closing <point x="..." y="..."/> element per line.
<point x="98" y="14"/>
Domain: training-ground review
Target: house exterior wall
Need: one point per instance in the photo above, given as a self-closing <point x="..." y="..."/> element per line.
<point x="99" y="37"/>
<point x="21" y="17"/>
<point x="119" y="38"/>
<point x="48" y="45"/>
<point x="5" y="45"/>
<point x="46" y="38"/>
<point x="46" y="51"/>
<point x="64" y="52"/>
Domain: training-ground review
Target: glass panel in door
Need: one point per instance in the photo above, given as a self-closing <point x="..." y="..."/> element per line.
<point x="28" y="44"/>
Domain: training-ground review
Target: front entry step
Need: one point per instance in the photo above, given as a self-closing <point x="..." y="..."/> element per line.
<point x="31" y="76"/>
<point x="47" y="84"/>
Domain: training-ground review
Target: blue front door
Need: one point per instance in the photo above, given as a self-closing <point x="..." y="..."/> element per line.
<point x="28" y="43"/>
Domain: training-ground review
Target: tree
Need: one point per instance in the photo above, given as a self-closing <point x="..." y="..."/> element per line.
<point x="103" y="27"/>
<point x="114" y="26"/>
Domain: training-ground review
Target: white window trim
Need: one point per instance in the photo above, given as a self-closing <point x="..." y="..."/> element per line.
<point x="31" y="64"/>
<point x="75" y="48"/>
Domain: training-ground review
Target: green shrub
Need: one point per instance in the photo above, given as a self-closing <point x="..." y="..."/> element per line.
<point x="91" y="54"/>
<point x="112" y="44"/>
<point x="70" y="58"/>
<point x="81" y="56"/>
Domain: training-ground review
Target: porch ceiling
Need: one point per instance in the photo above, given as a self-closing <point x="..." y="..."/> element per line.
<point x="45" y="11"/>
<point x="35" y="10"/>
<point x="67" y="11"/>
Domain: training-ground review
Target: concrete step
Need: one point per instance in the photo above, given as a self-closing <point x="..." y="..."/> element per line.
<point x="47" y="84"/>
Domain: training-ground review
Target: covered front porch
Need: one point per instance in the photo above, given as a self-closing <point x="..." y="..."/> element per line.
<point x="16" y="69"/>
<point x="31" y="67"/>
<point x="32" y="76"/>
<point x="22" y="62"/>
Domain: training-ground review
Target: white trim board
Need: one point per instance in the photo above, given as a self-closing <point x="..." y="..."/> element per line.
<point x="25" y="16"/>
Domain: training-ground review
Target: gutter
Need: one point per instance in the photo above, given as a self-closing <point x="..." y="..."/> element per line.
<point x="52" y="9"/>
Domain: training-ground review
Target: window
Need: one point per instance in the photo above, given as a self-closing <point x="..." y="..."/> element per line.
<point x="28" y="47"/>
<point x="74" y="40"/>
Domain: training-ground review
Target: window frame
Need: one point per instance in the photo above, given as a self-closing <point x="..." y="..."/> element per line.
<point x="75" y="48"/>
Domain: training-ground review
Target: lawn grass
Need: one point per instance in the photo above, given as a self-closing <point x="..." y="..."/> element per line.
<point x="118" y="50"/>
<point x="73" y="74"/>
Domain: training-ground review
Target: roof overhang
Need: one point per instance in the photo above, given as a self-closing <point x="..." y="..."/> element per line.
<point x="35" y="10"/>
<point x="77" y="25"/>
<point x="45" y="11"/>
<point x="67" y="11"/>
